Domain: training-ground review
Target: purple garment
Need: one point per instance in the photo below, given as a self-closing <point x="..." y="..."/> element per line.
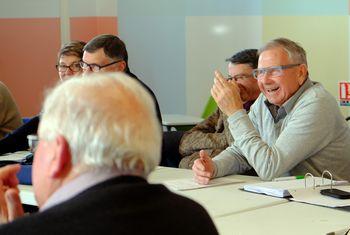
<point x="247" y="105"/>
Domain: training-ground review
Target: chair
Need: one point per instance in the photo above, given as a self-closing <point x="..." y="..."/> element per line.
<point x="171" y="139"/>
<point x="209" y="108"/>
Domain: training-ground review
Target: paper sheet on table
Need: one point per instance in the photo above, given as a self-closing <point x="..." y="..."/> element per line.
<point x="16" y="156"/>
<point x="282" y="188"/>
<point x="187" y="184"/>
<point x="313" y="196"/>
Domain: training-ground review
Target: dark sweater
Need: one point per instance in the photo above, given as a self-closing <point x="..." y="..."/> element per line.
<point x="122" y="205"/>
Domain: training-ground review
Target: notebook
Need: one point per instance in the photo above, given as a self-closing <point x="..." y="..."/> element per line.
<point x="281" y="188"/>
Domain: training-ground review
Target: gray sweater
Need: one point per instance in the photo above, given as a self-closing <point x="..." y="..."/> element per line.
<point x="308" y="135"/>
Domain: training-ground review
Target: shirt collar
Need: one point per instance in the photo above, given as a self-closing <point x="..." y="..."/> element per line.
<point x="279" y="113"/>
<point x="247" y="105"/>
<point x="78" y="185"/>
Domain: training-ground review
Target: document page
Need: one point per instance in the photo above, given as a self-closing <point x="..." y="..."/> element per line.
<point x="281" y="188"/>
<point x="313" y="196"/>
<point x="187" y="184"/>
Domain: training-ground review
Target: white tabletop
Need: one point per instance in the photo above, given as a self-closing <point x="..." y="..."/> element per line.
<point x="288" y="218"/>
<point x="218" y="200"/>
<point x="180" y="120"/>
<point x="238" y="212"/>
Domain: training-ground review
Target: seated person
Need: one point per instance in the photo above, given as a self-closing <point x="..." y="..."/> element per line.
<point x="69" y="57"/>
<point x="10" y="118"/>
<point x="67" y="65"/>
<point x="107" y="53"/>
<point x="294" y="127"/>
<point x="91" y="164"/>
<point x="213" y="134"/>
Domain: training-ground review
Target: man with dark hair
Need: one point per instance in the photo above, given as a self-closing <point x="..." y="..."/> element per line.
<point x="213" y="134"/>
<point x="107" y="53"/>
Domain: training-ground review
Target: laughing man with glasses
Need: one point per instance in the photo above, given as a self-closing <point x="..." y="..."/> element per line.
<point x="294" y="127"/>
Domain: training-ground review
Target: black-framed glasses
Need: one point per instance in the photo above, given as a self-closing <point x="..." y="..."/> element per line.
<point x="239" y="77"/>
<point x="95" y="67"/>
<point x="273" y="71"/>
<point x="74" y="67"/>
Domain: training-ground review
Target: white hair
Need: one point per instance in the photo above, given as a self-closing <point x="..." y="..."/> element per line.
<point x="295" y="52"/>
<point x="108" y="119"/>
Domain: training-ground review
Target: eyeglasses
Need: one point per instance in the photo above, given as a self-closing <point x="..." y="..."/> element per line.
<point x="273" y="71"/>
<point x="74" y="67"/>
<point x="239" y="76"/>
<point x="95" y="67"/>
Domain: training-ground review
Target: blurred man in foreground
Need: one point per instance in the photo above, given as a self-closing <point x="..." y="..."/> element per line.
<point x="91" y="164"/>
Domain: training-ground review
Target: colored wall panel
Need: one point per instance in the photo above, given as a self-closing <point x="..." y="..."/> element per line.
<point x="30" y="8"/>
<point x="28" y="55"/>
<point x="325" y="39"/>
<point x="156" y="47"/>
<point x="223" y="7"/>
<point x="85" y="28"/>
<point x="83" y="8"/>
<point x="209" y="41"/>
<point x="169" y="53"/>
<point x="302" y="7"/>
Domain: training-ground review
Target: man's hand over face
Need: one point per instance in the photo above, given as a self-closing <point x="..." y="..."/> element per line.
<point x="226" y="94"/>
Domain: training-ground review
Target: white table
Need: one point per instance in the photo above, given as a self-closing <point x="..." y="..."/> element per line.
<point x="218" y="200"/>
<point x="238" y="212"/>
<point x="287" y="218"/>
<point x="179" y="120"/>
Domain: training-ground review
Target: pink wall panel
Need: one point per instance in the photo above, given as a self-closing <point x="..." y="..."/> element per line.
<point x="85" y="28"/>
<point x="28" y="55"/>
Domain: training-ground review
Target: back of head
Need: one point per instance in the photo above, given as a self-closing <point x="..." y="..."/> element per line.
<point x="112" y="46"/>
<point x="74" y="48"/>
<point x="248" y="56"/>
<point x="108" y="120"/>
<point x="295" y="52"/>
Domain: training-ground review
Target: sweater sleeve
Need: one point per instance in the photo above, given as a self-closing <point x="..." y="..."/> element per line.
<point x="231" y="160"/>
<point x="306" y="130"/>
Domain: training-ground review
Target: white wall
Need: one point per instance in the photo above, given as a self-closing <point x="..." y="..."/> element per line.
<point x="209" y="41"/>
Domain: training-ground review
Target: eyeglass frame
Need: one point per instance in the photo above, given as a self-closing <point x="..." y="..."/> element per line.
<point x="82" y="63"/>
<point x="269" y="69"/>
<point x="68" y="67"/>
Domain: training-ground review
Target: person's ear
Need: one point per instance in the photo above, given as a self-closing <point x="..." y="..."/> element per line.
<point x="61" y="160"/>
<point x="122" y="66"/>
<point x="302" y="74"/>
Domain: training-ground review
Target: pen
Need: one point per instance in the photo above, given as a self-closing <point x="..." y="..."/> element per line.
<point x="297" y="177"/>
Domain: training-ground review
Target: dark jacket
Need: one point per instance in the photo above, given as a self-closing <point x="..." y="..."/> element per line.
<point x="17" y="140"/>
<point x="122" y="205"/>
<point x="151" y="93"/>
